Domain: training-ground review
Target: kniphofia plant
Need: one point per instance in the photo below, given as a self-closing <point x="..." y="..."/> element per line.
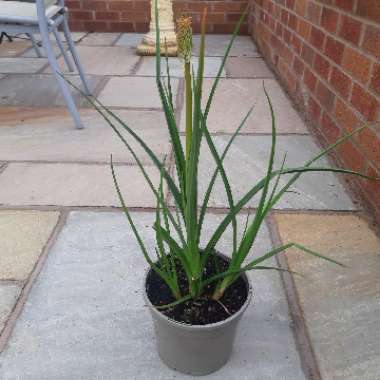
<point x="178" y="229"/>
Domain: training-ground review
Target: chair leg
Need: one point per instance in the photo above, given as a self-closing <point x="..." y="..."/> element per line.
<point x="67" y="59"/>
<point x="74" y="53"/>
<point x="35" y="45"/>
<point x="61" y="82"/>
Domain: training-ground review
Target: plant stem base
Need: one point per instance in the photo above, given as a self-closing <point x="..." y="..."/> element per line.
<point x="145" y="49"/>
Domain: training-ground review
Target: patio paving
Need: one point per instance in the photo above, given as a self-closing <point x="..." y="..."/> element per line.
<point x="80" y="314"/>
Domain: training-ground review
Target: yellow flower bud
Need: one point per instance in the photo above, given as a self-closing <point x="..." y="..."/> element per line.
<point x="184" y="38"/>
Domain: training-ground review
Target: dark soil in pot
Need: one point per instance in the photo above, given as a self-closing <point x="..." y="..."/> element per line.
<point x="204" y="310"/>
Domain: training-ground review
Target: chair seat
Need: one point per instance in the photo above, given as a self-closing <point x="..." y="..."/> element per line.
<point x="24" y="13"/>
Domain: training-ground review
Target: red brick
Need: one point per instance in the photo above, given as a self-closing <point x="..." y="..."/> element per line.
<point x="113" y="16"/>
<point x="307" y="54"/>
<point x="350" y="30"/>
<point x="313" y="12"/>
<point x="287" y="75"/>
<point x="371" y="41"/>
<point x="134" y="16"/>
<point x="313" y="110"/>
<point x="317" y="37"/>
<point x="322" y="66"/>
<point x="365" y="103"/>
<point x="142" y="27"/>
<point x="375" y="79"/>
<point x="340" y="82"/>
<point x="334" y="50"/>
<point x="356" y="64"/>
<point x="121" y="27"/>
<point x="309" y="79"/>
<point x="77" y="26"/>
<point x="325" y="96"/>
<point x="292" y="22"/>
<point x="287" y="36"/>
<point x="279" y="29"/>
<point x="73" y="4"/>
<point x="373" y="187"/>
<point x="287" y="54"/>
<point x="198" y="6"/>
<point x="303" y="29"/>
<point x="284" y="17"/>
<point x="223" y="28"/>
<point x="300" y="7"/>
<point x="370" y="144"/>
<point x="93" y="5"/>
<point x="290" y="4"/>
<point x="329" y="20"/>
<point x="329" y="129"/>
<point x="345" y="116"/>
<point x="296" y="44"/>
<point x="120" y="5"/>
<point x="369" y="9"/>
<point x="95" y="26"/>
<point x="346" y="4"/>
<point x="298" y="66"/>
<point x="353" y="158"/>
<point x="81" y="15"/>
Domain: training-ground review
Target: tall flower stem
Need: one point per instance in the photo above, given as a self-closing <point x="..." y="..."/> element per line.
<point x="189" y="108"/>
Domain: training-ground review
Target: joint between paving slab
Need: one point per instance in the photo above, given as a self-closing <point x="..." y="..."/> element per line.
<point x="11" y="281"/>
<point x="17" y="309"/>
<point x="3" y="166"/>
<point x="74" y="162"/>
<point x="136" y="67"/>
<point x="301" y="335"/>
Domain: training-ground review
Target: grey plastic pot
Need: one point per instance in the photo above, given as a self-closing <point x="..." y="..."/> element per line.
<point x="195" y="350"/>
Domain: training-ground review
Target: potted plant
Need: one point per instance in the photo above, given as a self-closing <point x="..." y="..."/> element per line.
<point x="197" y="295"/>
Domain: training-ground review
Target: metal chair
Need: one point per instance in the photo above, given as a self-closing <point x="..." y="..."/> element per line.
<point x="44" y="17"/>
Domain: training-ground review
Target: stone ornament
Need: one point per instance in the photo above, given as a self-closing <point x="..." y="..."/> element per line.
<point x="167" y="31"/>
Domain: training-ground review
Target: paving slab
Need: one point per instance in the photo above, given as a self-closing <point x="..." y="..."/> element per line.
<point x="341" y="306"/>
<point x="76" y="36"/>
<point x="235" y="97"/>
<point x="134" y="92"/>
<point x="8" y="296"/>
<point x="40" y="90"/>
<point x="75" y="185"/>
<point x="23" y="234"/>
<point x="31" y="52"/>
<point x="217" y="44"/>
<point x="21" y="65"/>
<point x="85" y="317"/>
<point x="130" y="40"/>
<point x="242" y="67"/>
<point x="211" y="68"/>
<point x="14" y="48"/>
<point x="48" y="134"/>
<point x="100" y="39"/>
<point x="107" y="60"/>
<point x="246" y="164"/>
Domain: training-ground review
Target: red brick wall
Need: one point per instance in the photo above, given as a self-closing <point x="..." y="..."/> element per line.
<point x="327" y="55"/>
<point x="134" y="15"/>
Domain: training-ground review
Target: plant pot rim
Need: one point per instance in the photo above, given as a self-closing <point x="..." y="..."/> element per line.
<point x="200" y="327"/>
